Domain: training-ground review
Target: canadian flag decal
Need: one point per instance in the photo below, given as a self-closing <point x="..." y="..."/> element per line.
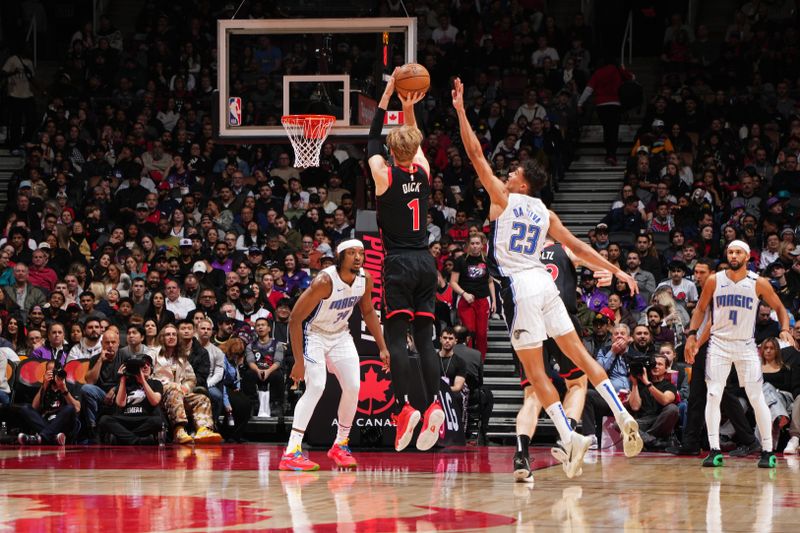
<point x="393" y="117"/>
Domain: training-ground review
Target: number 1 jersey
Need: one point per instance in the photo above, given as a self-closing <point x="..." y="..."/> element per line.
<point x="403" y="209"/>
<point x="517" y="236"/>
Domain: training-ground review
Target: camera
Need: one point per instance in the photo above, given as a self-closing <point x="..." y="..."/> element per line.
<point x="59" y="372"/>
<point x="639" y="364"/>
<point x="133" y="366"/>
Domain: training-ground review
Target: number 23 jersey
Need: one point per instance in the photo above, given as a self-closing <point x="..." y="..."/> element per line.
<point x="332" y="314"/>
<point x="517" y="237"/>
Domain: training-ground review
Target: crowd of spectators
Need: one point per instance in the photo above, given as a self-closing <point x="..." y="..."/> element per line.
<point x="714" y="160"/>
<point x="129" y="217"/>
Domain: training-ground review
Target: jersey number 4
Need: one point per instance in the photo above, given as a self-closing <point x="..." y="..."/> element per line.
<point x="524" y="238"/>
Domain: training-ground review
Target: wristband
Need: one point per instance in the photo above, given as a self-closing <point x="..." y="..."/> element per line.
<point x="691" y="333"/>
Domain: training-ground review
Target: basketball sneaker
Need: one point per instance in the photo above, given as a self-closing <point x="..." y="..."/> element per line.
<point x="434" y="418"/>
<point x="405" y="423"/>
<point x="522" y="468"/>
<point x="631" y="440"/>
<point x="341" y="455"/>
<point x="575" y="451"/>
<point x="791" y="446"/>
<point x="61" y="439"/>
<point x="297" y="461"/>
<point x="29" y="440"/>
<point x="767" y="460"/>
<point x="206" y="436"/>
<point x="181" y="437"/>
<point x="713" y="459"/>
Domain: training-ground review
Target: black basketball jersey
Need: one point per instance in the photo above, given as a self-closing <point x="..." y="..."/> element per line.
<point x="403" y="209"/>
<point x="560" y="266"/>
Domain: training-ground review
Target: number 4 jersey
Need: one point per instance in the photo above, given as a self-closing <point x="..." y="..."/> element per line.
<point x="517" y="237"/>
<point x="332" y="314"/>
<point x="735" y="306"/>
<point x="403" y="209"/>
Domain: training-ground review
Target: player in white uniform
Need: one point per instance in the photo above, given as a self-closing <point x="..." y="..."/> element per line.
<point x="520" y="225"/>
<point x="734" y="295"/>
<point x="319" y="323"/>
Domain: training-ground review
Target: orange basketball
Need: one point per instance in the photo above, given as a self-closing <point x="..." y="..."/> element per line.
<point x="411" y="78"/>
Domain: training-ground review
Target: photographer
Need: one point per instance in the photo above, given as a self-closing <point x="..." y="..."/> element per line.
<point x="52" y="415"/>
<point x="652" y="399"/>
<point x="614" y="360"/>
<point x="138" y="416"/>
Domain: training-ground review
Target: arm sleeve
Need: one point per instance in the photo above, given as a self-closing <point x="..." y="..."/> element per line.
<point x="375" y="143"/>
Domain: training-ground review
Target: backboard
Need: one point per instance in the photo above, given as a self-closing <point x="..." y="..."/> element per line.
<point x="273" y="67"/>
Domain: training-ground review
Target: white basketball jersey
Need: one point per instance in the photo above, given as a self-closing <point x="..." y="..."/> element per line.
<point x="333" y="313"/>
<point x="519" y="234"/>
<point x="735" y="308"/>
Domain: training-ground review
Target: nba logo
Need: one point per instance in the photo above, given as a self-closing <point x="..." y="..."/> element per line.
<point x="234" y="111"/>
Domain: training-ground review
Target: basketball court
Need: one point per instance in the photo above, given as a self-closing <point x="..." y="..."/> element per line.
<point x="238" y="488"/>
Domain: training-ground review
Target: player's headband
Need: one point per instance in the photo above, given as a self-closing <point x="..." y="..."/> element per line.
<point x="351" y="243"/>
<point x="740" y="244"/>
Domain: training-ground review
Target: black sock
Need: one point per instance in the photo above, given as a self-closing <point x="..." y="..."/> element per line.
<point x="522" y="443"/>
<point x="573" y="424"/>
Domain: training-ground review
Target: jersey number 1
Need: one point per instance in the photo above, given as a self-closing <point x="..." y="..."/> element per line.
<point x="414" y="206"/>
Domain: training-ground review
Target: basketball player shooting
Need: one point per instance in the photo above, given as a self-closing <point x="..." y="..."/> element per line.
<point x="533" y="308"/>
<point x="409" y="270"/>
<point x="734" y="295"/>
<point x="320" y="324"/>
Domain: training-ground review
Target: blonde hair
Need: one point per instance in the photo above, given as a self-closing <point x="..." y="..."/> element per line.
<point x="404" y="142"/>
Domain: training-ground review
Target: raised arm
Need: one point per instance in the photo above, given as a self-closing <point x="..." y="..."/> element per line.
<point x="375" y="154"/>
<point x="586" y="254"/>
<point x="496" y="188"/>
<point x="409" y="100"/>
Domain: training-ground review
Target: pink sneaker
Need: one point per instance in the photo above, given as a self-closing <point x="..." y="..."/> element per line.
<point x="434" y="418"/>
<point x="341" y="455"/>
<point x="297" y="461"/>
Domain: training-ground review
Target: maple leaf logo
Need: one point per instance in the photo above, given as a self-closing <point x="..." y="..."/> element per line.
<point x="392" y="116"/>
<point x="373" y="390"/>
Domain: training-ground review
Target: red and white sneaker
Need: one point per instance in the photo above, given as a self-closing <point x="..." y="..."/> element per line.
<point x="297" y="461"/>
<point x="341" y="455"/>
<point x="434" y="418"/>
<point x="405" y="423"/>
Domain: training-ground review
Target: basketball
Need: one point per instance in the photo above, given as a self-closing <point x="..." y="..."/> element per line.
<point x="412" y="77"/>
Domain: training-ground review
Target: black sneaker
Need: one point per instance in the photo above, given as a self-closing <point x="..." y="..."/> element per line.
<point x="714" y="459"/>
<point x="522" y="468"/>
<point x="767" y="460"/>
<point x="29" y="440"/>
<point x="743" y="450"/>
<point x="682" y="450"/>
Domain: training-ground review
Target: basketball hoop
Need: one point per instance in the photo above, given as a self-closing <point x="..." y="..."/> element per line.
<point x="307" y="133"/>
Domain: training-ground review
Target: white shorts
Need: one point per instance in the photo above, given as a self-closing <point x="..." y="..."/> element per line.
<point x="537" y="310"/>
<point x="320" y="348"/>
<point x="742" y="354"/>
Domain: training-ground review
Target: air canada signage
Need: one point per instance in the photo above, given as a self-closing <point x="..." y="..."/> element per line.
<point x="373" y="422"/>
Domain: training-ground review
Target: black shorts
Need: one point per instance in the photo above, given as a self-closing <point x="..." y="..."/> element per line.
<point x="409" y="284"/>
<point x="552" y="353"/>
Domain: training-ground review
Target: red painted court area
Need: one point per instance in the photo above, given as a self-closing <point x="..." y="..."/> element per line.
<point x="237" y="488"/>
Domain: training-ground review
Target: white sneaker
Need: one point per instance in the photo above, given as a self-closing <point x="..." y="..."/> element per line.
<point x="631" y="440"/>
<point x="578" y="446"/>
<point x="593" y="445"/>
<point x="791" y="446"/>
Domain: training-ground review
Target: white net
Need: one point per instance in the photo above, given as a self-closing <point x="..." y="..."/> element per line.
<point x="307" y="133"/>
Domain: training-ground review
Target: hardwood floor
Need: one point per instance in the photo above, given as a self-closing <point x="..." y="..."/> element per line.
<point x="237" y="488"/>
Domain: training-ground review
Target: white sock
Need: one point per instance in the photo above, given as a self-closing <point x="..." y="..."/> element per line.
<point x="606" y="390"/>
<point x="559" y="418"/>
<point x="295" y="441"/>
<point x="342" y="434"/>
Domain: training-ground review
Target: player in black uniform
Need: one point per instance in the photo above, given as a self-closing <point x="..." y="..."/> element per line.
<point x="409" y="270"/>
<point x="560" y="262"/>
